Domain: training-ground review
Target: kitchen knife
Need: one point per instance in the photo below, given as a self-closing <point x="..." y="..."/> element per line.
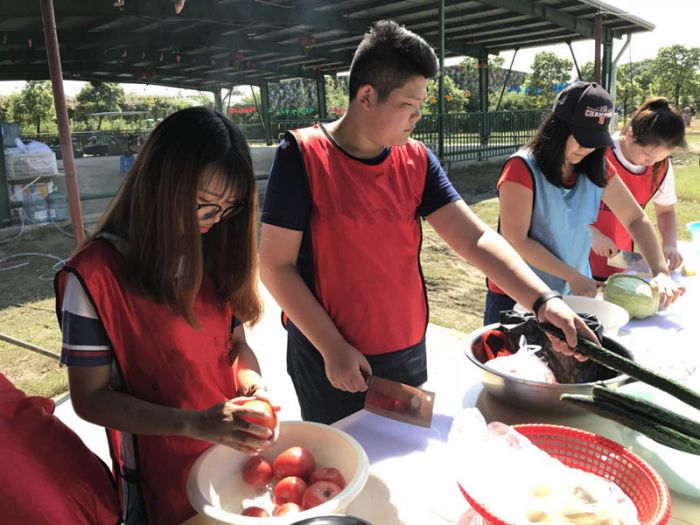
<point x="399" y="401"/>
<point x="629" y="261"/>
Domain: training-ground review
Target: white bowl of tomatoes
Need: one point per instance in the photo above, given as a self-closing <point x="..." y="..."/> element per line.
<point x="312" y="470"/>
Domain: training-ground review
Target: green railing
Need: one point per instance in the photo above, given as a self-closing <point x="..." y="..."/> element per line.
<point x="468" y="136"/>
<point x="476" y="136"/>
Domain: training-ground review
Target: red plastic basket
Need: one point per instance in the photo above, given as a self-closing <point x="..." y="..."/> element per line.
<point x="598" y="455"/>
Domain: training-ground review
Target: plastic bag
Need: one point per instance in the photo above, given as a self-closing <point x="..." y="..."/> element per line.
<point x="523" y="485"/>
<point x="524" y="364"/>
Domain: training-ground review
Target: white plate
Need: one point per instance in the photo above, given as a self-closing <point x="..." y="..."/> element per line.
<point x="680" y="470"/>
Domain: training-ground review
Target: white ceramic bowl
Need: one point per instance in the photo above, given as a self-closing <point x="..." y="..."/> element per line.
<point x="680" y="470"/>
<point x="611" y="316"/>
<point x="216" y="490"/>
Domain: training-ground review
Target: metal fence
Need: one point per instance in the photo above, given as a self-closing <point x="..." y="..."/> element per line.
<point x="468" y="136"/>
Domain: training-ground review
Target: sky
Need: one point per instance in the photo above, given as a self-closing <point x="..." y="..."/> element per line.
<point x="676" y="23"/>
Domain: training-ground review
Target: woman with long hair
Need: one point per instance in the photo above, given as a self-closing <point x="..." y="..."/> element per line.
<point x="550" y="192"/>
<point x="640" y="154"/>
<point x="151" y="307"/>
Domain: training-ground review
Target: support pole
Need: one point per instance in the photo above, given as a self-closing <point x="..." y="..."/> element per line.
<point x="597" y="37"/>
<point x="53" y="56"/>
<point x="485" y="131"/>
<point x="218" y="100"/>
<point x="505" y="81"/>
<point x="573" y="56"/>
<point x="607" y="60"/>
<point x="441" y="84"/>
<point x="321" y="96"/>
<point x="265" y="108"/>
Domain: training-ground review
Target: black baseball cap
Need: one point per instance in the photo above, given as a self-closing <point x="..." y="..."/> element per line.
<point x="587" y="108"/>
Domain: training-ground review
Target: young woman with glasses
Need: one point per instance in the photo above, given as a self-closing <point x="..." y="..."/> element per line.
<point x="151" y="307"/>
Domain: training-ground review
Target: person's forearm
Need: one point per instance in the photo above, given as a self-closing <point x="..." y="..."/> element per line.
<point x="246" y="369"/>
<point x="645" y="239"/>
<point x="494" y="256"/>
<point x="540" y="257"/>
<point x="294" y="297"/>
<point x="668" y="226"/>
<point x="123" y="412"/>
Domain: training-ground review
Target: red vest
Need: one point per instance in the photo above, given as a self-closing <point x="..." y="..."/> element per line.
<point x="163" y="360"/>
<point x="366" y="237"/>
<point x="48" y="475"/>
<point x="643" y="187"/>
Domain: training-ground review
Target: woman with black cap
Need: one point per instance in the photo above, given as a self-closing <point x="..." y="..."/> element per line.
<point x="550" y="192"/>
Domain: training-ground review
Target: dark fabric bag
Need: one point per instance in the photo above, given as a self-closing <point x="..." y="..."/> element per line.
<point x="565" y="368"/>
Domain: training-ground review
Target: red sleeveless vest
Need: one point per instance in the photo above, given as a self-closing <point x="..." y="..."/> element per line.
<point x="163" y="360"/>
<point x="366" y="237"/>
<point x="48" y="475"/>
<point x="643" y="187"/>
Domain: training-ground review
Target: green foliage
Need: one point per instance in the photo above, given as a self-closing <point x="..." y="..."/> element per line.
<point x="4" y="108"/>
<point x="33" y="106"/>
<point x="548" y="70"/>
<point x="676" y="73"/>
<point x="513" y="101"/>
<point x="456" y="99"/>
<point x="587" y="72"/>
<point x="336" y="95"/>
<point x="97" y="98"/>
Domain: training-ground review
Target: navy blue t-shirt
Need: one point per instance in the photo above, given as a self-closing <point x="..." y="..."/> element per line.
<point x="288" y="199"/>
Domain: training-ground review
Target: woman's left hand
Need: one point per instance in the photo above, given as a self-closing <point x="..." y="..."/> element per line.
<point x="668" y="291"/>
<point x="673" y="256"/>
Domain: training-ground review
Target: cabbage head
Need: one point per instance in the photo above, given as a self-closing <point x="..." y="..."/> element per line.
<point x="633" y="293"/>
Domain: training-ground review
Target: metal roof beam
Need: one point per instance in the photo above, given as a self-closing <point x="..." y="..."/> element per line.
<point x="544" y="12"/>
<point x="88" y="70"/>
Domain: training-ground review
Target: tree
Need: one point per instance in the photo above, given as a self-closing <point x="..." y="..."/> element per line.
<point x="336" y="95"/>
<point x="548" y="72"/>
<point x="456" y="98"/>
<point x="4" y="108"/>
<point x="98" y="97"/>
<point x="33" y="106"/>
<point x="676" y="72"/>
<point x="587" y="72"/>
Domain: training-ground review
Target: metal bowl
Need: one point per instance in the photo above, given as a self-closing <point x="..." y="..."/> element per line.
<point x="534" y="395"/>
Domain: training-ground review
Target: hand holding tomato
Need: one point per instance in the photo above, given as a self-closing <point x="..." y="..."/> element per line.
<point x="225" y="424"/>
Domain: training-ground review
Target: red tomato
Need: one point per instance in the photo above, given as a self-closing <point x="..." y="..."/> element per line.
<point x="328" y="474"/>
<point x="318" y="493"/>
<point x="287" y="508"/>
<point x="295" y="461"/>
<point x="256" y="512"/>
<point x="269" y="420"/>
<point x="257" y="471"/>
<point x="289" y="490"/>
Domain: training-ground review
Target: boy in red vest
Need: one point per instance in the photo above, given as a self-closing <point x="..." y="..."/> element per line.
<point x="341" y="235"/>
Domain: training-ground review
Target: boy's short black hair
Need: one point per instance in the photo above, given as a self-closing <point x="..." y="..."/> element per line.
<point x="388" y="56"/>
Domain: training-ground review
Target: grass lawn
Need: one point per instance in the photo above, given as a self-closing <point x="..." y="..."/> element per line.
<point x="456" y="289"/>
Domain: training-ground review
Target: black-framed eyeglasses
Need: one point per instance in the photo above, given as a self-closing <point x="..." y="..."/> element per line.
<point x="209" y="211"/>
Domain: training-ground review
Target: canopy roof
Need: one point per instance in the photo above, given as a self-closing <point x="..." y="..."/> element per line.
<point x="219" y="43"/>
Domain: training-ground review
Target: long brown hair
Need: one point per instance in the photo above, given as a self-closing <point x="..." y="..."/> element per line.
<point x="657" y="123"/>
<point x="155" y="211"/>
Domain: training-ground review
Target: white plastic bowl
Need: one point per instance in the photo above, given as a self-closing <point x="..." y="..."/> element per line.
<point x="611" y="316"/>
<point x="216" y="490"/>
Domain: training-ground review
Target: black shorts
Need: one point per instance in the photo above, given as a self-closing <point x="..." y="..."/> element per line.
<point x="320" y="401"/>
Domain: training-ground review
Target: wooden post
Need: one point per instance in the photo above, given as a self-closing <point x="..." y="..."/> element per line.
<point x="53" y="56"/>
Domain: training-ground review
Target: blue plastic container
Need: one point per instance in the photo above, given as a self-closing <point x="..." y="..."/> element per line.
<point x="694" y="230"/>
